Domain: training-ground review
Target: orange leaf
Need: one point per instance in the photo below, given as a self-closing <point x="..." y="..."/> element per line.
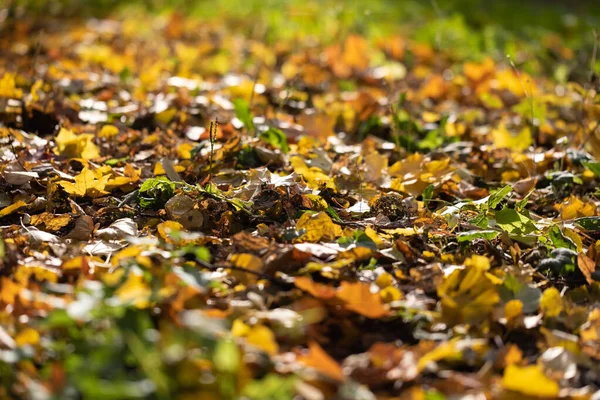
<point x="318" y="290"/>
<point x="358" y="298"/>
<point x="318" y="359"/>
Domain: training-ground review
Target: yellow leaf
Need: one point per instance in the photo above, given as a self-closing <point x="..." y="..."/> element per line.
<point x="262" y="337"/>
<point x="384" y="280"/>
<point x="160" y="170"/>
<point x="551" y="302"/>
<point x="314" y="176"/>
<point x="51" y="222"/>
<point x="27" y="337"/>
<point x="87" y="183"/>
<point x="318" y="227"/>
<point x="390" y="294"/>
<point x="247" y="261"/>
<point x="41" y="274"/>
<point x="502" y="138"/>
<point x="468" y="295"/>
<point x="167" y="228"/>
<point x="135" y="290"/>
<point x="513" y="309"/>
<point x="239" y="328"/>
<point x="12" y="208"/>
<point x="530" y="381"/>
<point x="70" y="145"/>
<point x="8" y="87"/>
<point x="444" y="351"/>
<point x="128" y="252"/>
<point x="108" y="131"/>
<point x="573" y="207"/>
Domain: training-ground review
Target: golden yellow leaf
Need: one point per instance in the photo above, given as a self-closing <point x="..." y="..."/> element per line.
<point x="513" y="309"/>
<point x="8" y="86"/>
<point x="513" y="355"/>
<point x="262" y="337"/>
<point x="384" y="280"/>
<point x="247" y="261"/>
<point x="476" y="72"/>
<point x="443" y="351"/>
<point x="135" y="290"/>
<point x="573" y="207"/>
<point x="551" y="302"/>
<point x="359" y="298"/>
<point x="167" y="228"/>
<point x="160" y="170"/>
<point x="12" y="208"/>
<point x="70" y="145"/>
<point x="390" y="294"/>
<point x="530" y="381"/>
<point x="24" y="273"/>
<point x="87" y="183"/>
<point x="502" y="138"/>
<point x="51" y="222"/>
<point x="27" y="337"/>
<point x="468" y="295"/>
<point x="108" y="131"/>
<point x="318" y="227"/>
<point x="314" y="176"/>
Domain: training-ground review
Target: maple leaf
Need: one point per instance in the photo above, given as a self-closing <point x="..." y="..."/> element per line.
<point x="70" y="145"/>
<point x="87" y="183"/>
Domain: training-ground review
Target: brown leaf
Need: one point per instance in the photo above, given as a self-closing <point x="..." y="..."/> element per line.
<point x="586" y="266"/>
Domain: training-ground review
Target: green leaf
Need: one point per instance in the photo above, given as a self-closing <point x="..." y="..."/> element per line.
<point x="513" y="222"/>
<point x="559" y="240"/>
<point x="155" y="192"/>
<point x="243" y="113"/>
<point x="593" y="166"/>
<point x="272" y="387"/>
<point x="589" y="223"/>
<point x="497" y="196"/>
<point x="471" y="235"/>
<point x="480" y="221"/>
<point x="427" y="194"/>
<point x="227" y="356"/>
<point x="276" y="138"/>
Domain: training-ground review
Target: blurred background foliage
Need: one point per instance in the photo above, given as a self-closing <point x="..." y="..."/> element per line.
<point x="468" y="29"/>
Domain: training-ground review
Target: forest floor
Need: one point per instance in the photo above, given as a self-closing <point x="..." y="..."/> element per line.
<point x="225" y="208"/>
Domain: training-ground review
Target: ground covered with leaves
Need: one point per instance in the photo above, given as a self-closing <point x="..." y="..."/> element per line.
<point x="190" y="210"/>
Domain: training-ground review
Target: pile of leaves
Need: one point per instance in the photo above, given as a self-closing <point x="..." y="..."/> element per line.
<point x="189" y="212"/>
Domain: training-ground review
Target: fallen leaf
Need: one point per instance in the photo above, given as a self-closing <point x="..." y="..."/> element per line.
<point x="359" y="298"/>
<point x="318" y="359"/>
<point x="529" y="380"/>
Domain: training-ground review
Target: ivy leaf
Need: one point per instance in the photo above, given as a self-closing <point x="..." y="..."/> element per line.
<point x="155" y="192"/>
<point x="589" y="223"/>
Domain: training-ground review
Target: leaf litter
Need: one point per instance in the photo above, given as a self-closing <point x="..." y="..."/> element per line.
<point x="361" y="219"/>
